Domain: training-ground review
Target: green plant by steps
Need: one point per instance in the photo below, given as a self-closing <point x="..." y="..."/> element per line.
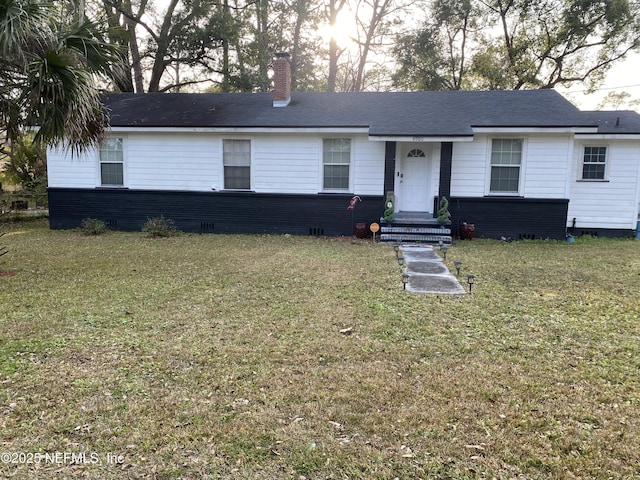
<point x="444" y="217"/>
<point x="389" y="211"/>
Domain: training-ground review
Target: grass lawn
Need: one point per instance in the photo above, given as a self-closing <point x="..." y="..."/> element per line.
<point x="213" y="356"/>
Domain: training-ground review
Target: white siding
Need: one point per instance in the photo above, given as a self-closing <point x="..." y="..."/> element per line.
<point x="546" y="166"/>
<point x="151" y="161"/>
<point x="193" y="161"/>
<point x="286" y="164"/>
<point x="435" y="169"/>
<point x="172" y="162"/>
<point x="65" y="171"/>
<point x="368" y="168"/>
<point x="612" y="203"/>
<point x="542" y="174"/>
<point x="469" y="167"/>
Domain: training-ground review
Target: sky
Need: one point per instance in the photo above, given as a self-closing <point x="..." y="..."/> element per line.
<point x="624" y="77"/>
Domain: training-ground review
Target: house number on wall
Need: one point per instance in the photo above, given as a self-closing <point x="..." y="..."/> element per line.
<point x="418" y="139"/>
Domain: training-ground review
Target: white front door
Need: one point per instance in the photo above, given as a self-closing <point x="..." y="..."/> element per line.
<point x="414" y="182"/>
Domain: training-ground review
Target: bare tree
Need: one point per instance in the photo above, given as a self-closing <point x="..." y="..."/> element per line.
<point x="177" y="35"/>
<point x="548" y="42"/>
<point x="375" y="20"/>
<point x="332" y="10"/>
<point x="513" y="44"/>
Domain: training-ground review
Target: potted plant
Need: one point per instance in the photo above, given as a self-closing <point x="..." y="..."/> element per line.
<point x="444" y="217"/>
<point x="389" y="211"/>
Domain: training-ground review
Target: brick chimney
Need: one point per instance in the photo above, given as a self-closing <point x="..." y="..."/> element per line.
<point x="281" y="80"/>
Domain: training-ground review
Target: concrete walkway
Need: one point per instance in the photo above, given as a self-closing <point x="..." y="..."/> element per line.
<point x="427" y="272"/>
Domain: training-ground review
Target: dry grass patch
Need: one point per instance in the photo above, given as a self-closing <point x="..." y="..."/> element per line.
<point x="206" y="356"/>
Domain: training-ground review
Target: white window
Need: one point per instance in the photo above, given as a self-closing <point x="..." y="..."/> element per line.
<point x="336" y="161"/>
<point x="594" y="162"/>
<point x="506" y="160"/>
<point x="111" y="162"/>
<point x="236" y="156"/>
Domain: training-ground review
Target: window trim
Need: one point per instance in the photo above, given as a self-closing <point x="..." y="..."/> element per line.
<point x="99" y="183"/>
<point x="489" y="168"/>
<point x="581" y="163"/>
<point x="251" y="165"/>
<point x="417" y="153"/>
<point x="349" y="188"/>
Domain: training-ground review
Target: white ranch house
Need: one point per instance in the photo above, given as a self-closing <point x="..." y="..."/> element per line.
<point x="522" y="164"/>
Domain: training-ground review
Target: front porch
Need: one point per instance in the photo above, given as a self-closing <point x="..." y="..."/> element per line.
<point x="417" y="174"/>
<point x="415" y="227"/>
<point x="514" y="217"/>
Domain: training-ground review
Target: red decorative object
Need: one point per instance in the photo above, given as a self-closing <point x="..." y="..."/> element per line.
<point x="353" y="201"/>
<point x="360" y="230"/>
<point x="467" y="231"/>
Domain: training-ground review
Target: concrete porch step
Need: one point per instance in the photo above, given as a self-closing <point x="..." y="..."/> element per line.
<point x="415" y="237"/>
<point x="413" y="219"/>
<point x="416" y="227"/>
<point x="393" y="228"/>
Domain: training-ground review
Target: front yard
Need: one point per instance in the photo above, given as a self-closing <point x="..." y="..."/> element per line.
<point x="212" y="356"/>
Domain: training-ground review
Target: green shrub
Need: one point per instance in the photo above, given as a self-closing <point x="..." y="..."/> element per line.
<point x="444" y="217"/>
<point x="93" y="226"/>
<point x="389" y="211"/>
<point x="159" y="227"/>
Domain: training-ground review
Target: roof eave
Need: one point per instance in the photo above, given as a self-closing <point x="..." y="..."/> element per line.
<point x="420" y="138"/>
<point x="535" y="129"/>
<point x="610" y="136"/>
<point x="239" y="129"/>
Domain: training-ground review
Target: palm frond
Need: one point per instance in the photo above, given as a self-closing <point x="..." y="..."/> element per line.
<point x="48" y="72"/>
<point x="23" y="23"/>
<point x="64" y="102"/>
<point x="89" y="41"/>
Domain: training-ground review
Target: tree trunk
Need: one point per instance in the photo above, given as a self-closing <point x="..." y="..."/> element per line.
<point x="122" y="76"/>
<point x="262" y="39"/>
<point x="334" y="7"/>
<point x="162" y="42"/>
<point x="301" y="16"/>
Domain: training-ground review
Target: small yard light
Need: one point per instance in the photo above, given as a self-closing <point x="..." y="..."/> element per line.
<point x="400" y="261"/>
<point x="458" y="265"/>
<point x="444" y="249"/>
<point x="471" y="279"/>
<point x="405" y="279"/>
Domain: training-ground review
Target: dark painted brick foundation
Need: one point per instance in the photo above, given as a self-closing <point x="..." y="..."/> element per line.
<point x="214" y="212"/>
<point x="322" y="214"/>
<point x="516" y="218"/>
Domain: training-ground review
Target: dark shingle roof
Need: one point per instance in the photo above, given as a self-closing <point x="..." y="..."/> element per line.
<point x="383" y="113"/>
<point x="619" y="121"/>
